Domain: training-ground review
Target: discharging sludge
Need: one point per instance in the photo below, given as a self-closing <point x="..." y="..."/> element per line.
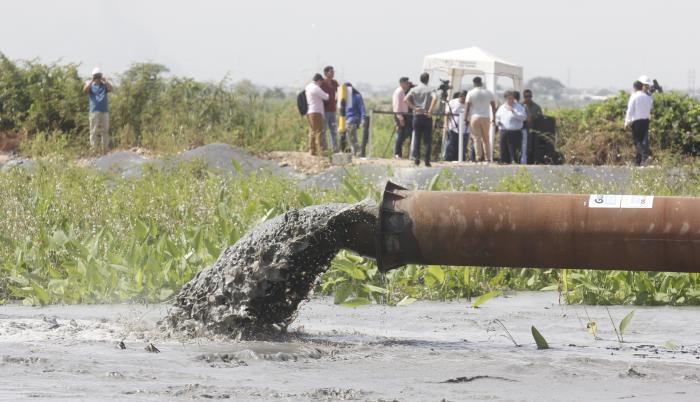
<point x="257" y="284"/>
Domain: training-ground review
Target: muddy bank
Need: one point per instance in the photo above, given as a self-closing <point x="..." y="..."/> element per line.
<point x="256" y="285"/>
<point x="426" y="351"/>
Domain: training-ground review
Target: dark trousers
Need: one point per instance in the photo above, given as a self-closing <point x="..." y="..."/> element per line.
<point x="511" y="141"/>
<point x="452" y="146"/>
<point x="423" y="128"/>
<point x="365" y="136"/>
<point x="640" y="134"/>
<point x="402" y="133"/>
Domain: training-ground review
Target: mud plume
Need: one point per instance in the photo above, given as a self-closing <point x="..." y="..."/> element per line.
<point x="256" y="285"/>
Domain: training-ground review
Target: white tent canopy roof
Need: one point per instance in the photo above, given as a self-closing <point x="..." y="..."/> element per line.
<point x="472" y="60"/>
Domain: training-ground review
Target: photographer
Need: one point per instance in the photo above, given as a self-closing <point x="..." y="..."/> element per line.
<point x="97" y="89"/>
<point x="422" y="100"/>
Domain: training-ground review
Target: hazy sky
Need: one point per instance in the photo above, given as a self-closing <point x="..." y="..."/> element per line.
<point x="590" y="43"/>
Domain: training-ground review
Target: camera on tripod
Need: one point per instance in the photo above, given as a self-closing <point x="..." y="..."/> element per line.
<point x="444" y="89"/>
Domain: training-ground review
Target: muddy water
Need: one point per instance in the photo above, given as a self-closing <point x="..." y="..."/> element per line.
<point x="426" y="351"/>
<point x="256" y="285"/>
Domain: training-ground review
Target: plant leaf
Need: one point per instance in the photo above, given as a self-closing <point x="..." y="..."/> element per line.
<point x="539" y="339"/>
<point x="626" y="321"/>
<point x="406" y="301"/>
<point x="356" y="302"/>
<point x="375" y="289"/>
<point x="485" y="297"/>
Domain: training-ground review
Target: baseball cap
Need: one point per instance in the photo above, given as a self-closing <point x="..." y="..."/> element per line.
<point x="96" y="70"/>
<point x="645" y="80"/>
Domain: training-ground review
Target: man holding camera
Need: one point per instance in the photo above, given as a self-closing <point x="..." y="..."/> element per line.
<point x="422" y="100"/>
<point x="480" y="118"/>
<point x="97" y="89"/>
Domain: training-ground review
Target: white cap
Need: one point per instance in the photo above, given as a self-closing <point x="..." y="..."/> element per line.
<point x="645" y="80"/>
<point x="96" y="70"/>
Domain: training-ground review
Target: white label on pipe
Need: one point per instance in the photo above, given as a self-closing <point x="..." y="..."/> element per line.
<point x="620" y="201"/>
<point x="637" y="201"/>
<point x="604" y="201"/>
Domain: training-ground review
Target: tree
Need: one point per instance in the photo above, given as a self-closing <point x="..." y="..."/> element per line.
<point x="546" y="86"/>
<point x="137" y="101"/>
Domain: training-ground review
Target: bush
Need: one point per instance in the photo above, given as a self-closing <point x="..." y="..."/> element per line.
<point x="595" y="134"/>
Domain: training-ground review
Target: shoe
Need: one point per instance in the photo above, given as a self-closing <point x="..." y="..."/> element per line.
<point x="427" y="164"/>
<point x="417" y="162"/>
<point x="397" y="156"/>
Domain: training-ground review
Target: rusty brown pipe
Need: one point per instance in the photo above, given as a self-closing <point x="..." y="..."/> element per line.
<point x="537" y="230"/>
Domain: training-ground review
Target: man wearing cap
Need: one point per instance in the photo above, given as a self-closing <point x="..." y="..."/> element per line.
<point x="637" y="117"/>
<point x="478" y="116"/>
<point x="97" y="89"/>
<point x="403" y="121"/>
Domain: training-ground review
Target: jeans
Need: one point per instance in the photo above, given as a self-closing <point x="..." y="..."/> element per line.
<point x="423" y="131"/>
<point x="365" y="136"/>
<point x="510" y="142"/>
<point x="352" y="137"/>
<point x="452" y="146"/>
<point x="331" y="125"/>
<point x="640" y="135"/>
<point x="523" y="148"/>
<point x="402" y="133"/>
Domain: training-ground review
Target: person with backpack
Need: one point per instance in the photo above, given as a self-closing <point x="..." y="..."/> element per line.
<point x="315" y="96"/>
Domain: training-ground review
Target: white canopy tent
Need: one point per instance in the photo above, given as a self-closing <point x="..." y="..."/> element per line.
<point x="474" y="61"/>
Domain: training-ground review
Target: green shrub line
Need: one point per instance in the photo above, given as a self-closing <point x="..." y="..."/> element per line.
<point x="69" y="235"/>
<point x="149" y="108"/>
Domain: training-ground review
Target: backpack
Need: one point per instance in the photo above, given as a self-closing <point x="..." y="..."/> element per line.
<point x="302" y="104"/>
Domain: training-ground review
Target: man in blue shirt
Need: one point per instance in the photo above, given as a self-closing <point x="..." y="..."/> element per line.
<point x="97" y="89"/>
<point x="355" y="115"/>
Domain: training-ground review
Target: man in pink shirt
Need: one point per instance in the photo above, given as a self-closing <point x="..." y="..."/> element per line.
<point x="404" y="122"/>
<point x="314" y="98"/>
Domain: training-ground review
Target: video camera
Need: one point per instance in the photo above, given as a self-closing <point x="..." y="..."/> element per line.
<point x="444" y="89"/>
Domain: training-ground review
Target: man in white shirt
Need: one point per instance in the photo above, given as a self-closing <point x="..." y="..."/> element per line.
<point x="404" y="122"/>
<point x="637" y="117"/>
<point x="314" y="99"/>
<point x="479" y="115"/>
<point x="456" y="107"/>
<point x="510" y="118"/>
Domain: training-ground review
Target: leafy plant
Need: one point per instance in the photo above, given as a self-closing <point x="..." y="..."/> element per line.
<point x="539" y="339"/>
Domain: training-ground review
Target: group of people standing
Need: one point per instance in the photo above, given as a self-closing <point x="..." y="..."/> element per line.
<point x="413" y="108"/>
<point x="321" y="96"/>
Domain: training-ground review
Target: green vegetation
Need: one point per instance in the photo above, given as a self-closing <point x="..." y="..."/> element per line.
<point x="73" y="236"/>
<point x="42" y="104"/>
<point x="69" y="235"/>
<point x="594" y="135"/>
